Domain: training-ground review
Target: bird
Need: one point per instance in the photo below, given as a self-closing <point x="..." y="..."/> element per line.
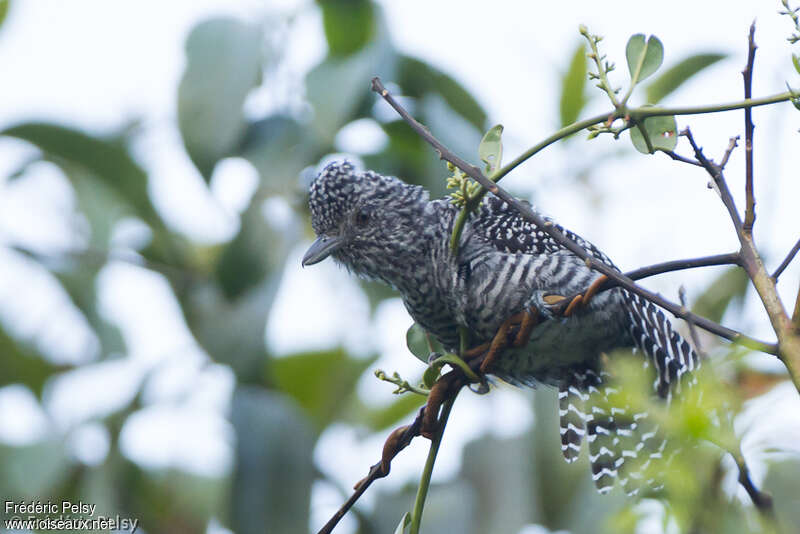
<point x="381" y="228"/>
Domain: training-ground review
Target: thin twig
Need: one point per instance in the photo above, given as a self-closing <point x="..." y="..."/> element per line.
<point x="761" y="500"/>
<point x="396" y="442"/>
<point x="731" y="258"/>
<point x="720" y="185"/>
<point x="732" y="144"/>
<point x="747" y="74"/>
<point x="692" y="327"/>
<point x="682" y="159"/>
<point x="528" y="214"/>
<point x="786" y="261"/>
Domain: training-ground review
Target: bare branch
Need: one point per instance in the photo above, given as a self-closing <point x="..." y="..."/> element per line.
<point x="398" y="440"/>
<point x="731" y="258"/>
<point x="692" y="326"/>
<point x="720" y="185"/>
<point x="786" y="261"/>
<point x="747" y="74"/>
<point x="528" y="214"/>
<point x="761" y="500"/>
<point x="733" y="143"/>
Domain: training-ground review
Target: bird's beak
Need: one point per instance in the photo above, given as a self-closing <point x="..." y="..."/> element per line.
<point x="320" y="249"/>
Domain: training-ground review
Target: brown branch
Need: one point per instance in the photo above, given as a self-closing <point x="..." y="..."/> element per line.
<point x="398" y="440"/>
<point x="731" y="258"/>
<point x="786" y="261"/>
<point x="720" y="185"/>
<point x="732" y="144"/>
<point x="678" y="157"/>
<point x="788" y="347"/>
<point x="747" y="74"/>
<point x="528" y="214"/>
<point x="692" y="327"/>
<point x="446" y="388"/>
<point x="761" y="500"/>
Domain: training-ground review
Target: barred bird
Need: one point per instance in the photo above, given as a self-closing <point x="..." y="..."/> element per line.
<point x="384" y="229"/>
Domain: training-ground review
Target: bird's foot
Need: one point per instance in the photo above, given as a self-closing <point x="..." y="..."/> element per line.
<point x="582" y="300"/>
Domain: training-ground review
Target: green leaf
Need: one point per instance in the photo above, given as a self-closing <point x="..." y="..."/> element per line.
<point x="796" y="62"/>
<point x="644" y="58"/>
<point x="4" y="5"/>
<point x="348" y="25"/>
<point x="727" y="288"/>
<point x="320" y="382"/>
<point x="279" y="147"/>
<point x="108" y="159"/>
<point x="223" y="64"/>
<point x="336" y="89"/>
<point x="230" y="331"/>
<point x="404" y="522"/>
<point x="421" y="344"/>
<point x="34" y="470"/>
<point x="418" y="78"/>
<point x="573" y="85"/>
<point x="22" y="364"/>
<point x="661" y="131"/>
<point x="274" y="468"/>
<point x="782" y="483"/>
<point x="678" y="74"/>
<point x="490" y="149"/>
<point x="245" y="262"/>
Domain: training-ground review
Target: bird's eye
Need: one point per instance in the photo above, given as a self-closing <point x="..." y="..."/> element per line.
<point x="362" y="217"/>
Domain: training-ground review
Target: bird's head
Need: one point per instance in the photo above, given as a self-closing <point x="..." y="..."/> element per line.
<point x="362" y="219"/>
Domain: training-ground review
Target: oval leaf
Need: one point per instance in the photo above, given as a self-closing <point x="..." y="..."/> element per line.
<point x="573" y="84"/>
<point x="644" y="58"/>
<point x="491" y="148"/>
<point x="421" y="344"/>
<point x="796" y="63"/>
<point x="348" y="25"/>
<point x="662" y="133"/>
<point x="676" y="75"/>
<point x="223" y="65"/>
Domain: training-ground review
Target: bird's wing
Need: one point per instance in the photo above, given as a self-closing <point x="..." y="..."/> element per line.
<point x="502" y="225"/>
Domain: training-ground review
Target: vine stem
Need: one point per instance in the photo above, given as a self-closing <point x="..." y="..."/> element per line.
<point x="639" y="114"/>
<point x="425" y="480"/>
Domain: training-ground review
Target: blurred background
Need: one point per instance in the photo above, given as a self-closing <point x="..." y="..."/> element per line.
<point x="164" y="356"/>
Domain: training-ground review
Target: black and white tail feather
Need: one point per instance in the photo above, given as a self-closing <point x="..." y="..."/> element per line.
<point x="622" y="444"/>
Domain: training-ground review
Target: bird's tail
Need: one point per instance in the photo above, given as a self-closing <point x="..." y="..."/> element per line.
<point x="622" y="443"/>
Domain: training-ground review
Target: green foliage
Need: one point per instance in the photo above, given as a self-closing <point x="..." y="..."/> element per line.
<point x="678" y="74"/>
<point x="348" y="24"/>
<point x="655" y="133"/>
<point x="273" y="477"/>
<point x="4" y="6"/>
<point x="21" y="364"/>
<point x="728" y="288"/>
<point x="491" y="149"/>
<point x="320" y="382"/>
<point x="644" y="58"/>
<point x="421" y="344"/>
<point x="108" y="161"/>
<point x="404" y="522"/>
<point x="418" y="78"/>
<point x="573" y="87"/>
<point x="223" y="65"/>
